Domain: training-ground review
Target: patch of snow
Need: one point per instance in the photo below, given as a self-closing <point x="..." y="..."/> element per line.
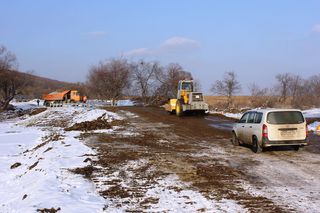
<point x="233" y="115"/>
<point x="100" y="103"/>
<point x="187" y="200"/>
<point x="312" y="113"/>
<point x="26" y="105"/>
<point x="130" y="114"/>
<point x="168" y="192"/>
<point x="295" y="185"/>
<point x="94" y="114"/>
<point x="230" y="115"/>
<point x="125" y="103"/>
<point x="209" y="152"/>
<point x="106" y="131"/>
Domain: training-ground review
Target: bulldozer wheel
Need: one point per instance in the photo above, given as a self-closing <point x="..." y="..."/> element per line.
<point x="179" y="111"/>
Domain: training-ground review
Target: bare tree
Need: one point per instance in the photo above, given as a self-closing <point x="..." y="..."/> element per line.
<point x="295" y="86"/>
<point x="170" y="78"/>
<point x="197" y="85"/>
<point x="304" y="92"/>
<point x="284" y="82"/>
<point x="109" y="79"/>
<point x="261" y="97"/>
<point x="145" y="79"/>
<point x="9" y="84"/>
<point x="312" y="87"/>
<point x="229" y="86"/>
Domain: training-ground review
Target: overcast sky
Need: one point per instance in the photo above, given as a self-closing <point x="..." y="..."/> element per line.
<point x="255" y="39"/>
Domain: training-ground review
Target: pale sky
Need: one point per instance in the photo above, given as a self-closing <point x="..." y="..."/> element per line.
<point x="255" y="39"/>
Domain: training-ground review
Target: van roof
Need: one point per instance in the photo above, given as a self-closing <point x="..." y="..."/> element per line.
<point x="272" y="110"/>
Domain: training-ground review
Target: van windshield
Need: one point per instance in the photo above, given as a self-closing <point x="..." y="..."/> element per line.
<point x="285" y="117"/>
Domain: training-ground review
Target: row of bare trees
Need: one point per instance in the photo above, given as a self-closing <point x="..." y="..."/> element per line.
<point x="290" y="90"/>
<point x="154" y="83"/>
<point x="116" y="78"/>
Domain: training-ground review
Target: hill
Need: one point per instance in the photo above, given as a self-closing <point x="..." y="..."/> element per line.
<point x="36" y="85"/>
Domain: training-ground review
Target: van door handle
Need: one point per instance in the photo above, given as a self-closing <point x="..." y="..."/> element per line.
<point x="242" y="126"/>
<point x="250" y="126"/>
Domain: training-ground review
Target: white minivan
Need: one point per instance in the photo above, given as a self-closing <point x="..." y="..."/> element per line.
<point x="271" y="127"/>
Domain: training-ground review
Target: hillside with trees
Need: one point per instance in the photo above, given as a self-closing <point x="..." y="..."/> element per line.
<point x="20" y="85"/>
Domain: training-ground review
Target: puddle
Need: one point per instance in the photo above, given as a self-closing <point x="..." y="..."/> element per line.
<point x="219" y="123"/>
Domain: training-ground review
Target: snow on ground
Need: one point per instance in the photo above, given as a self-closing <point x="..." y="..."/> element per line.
<point x="186" y="200"/>
<point x="312" y="113"/>
<point x="129" y="114"/>
<point x="294" y="181"/>
<point x="125" y="103"/>
<point x="94" y="114"/>
<point x="36" y="155"/>
<point x="163" y="191"/>
<point x="227" y="114"/>
<point x="101" y="103"/>
<point x="35" y="158"/>
<point x="26" y="105"/>
<point x="233" y="115"/>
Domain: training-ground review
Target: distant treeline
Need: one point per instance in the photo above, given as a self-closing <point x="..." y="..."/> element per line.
<point x="153" y="83"/>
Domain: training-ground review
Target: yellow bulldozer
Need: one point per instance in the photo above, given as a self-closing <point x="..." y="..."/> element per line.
<point x="188" y="100"/>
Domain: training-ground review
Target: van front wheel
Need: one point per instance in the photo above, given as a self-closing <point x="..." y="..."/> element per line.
<point x="256" y="148"/>
<point x="235" y="140"/>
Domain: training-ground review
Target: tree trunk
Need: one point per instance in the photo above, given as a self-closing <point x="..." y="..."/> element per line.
<point x="6" y="103"/>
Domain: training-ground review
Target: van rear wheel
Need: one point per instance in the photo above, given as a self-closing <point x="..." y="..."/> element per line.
<point x="256" y="148"/>
<point x="296" y="148"/>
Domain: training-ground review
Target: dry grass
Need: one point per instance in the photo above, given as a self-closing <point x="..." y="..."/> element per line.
<point x="220" y="102"/>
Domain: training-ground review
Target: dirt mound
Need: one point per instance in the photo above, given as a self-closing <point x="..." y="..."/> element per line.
<point x="52" y="210"/>
<point x="33" y="165"/>
<point x="15" y="165"/>
<point x="100" y="123"/>
<point x="37" y="111"/>
<point x="15" y="113"/>
<point x="85" y="171"/>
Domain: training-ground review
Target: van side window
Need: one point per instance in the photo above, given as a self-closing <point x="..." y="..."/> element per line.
<point x="251" y="117"/>
<point x="244" y="118"/>
<point x="258" y="118"/>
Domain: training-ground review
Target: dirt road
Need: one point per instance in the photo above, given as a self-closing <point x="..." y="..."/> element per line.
<point x="159" y="162"/>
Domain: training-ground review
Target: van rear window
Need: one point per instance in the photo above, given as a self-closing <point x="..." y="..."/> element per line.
<point x="285" y="117"/>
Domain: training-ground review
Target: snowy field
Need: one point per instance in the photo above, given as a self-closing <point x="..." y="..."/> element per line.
<point x="36" y="155"/>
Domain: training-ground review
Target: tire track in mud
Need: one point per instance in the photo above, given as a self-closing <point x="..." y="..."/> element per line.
<point x="166" y="145"/>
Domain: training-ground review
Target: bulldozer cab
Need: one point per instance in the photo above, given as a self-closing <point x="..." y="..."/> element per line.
<point x="186" y="85"/>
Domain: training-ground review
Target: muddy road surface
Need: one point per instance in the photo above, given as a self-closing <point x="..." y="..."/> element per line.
<point x="156" y="162"/>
